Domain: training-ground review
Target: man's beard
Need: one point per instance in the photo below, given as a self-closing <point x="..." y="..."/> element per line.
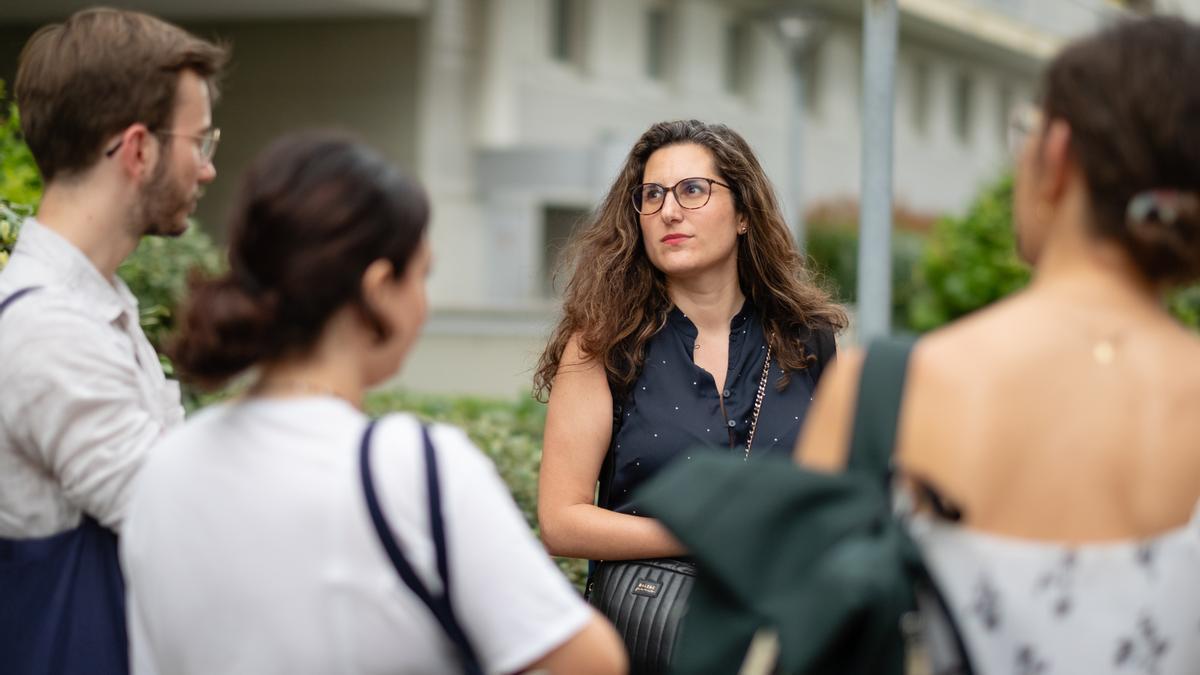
<point x="162" y="203"/>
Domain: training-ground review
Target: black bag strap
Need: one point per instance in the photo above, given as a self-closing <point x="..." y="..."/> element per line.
<point x="877" y="412"/>
<point x="439" y="604"/>
<point x="16" y="295"/>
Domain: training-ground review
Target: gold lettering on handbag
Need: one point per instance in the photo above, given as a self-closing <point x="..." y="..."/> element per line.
<point x="646" y="587"/>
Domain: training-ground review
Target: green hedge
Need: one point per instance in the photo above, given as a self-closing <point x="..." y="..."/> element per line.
<point x="509" y="432"/>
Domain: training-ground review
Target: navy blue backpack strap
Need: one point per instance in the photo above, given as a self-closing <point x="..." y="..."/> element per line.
<point x="439" y="605"/>
<point x="16" y="295"/>
<point x="877" y="411"/>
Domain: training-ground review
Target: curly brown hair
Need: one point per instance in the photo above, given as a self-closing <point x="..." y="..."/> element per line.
<point x="616" y="300"/>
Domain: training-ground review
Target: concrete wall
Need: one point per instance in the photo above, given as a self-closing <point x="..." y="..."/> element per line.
<point x="357" y="75"/>
<point x="481" y="352"/>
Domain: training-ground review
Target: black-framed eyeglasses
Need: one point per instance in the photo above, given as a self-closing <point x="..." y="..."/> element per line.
<point x="690" y="193"/>
<point x="206" y="142"/>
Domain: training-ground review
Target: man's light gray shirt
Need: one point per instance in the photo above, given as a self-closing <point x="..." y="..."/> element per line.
<point x="82" y="394"/>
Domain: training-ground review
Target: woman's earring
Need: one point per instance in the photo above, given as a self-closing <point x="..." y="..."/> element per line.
<point x="742" y="230"/>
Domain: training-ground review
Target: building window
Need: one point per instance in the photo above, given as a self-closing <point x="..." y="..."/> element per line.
<point x="1004" y="106"/>
<point x="859" y="61"/>
<point x="921" y="92"/>
<point x="658" y="39"/>
<point x="567" y="30"/>
<point x="812" y="69"/>
<point x="558" y="223"/>
<point x="964" y="107"/>
<point x="737" y="52"/>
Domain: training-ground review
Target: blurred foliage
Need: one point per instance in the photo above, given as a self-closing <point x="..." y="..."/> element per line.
<point x="508" y="432"/>
<point x="833" y="250"/>
<point x="20" y="182"/>
<point x="158" y="272"/>
<point x="1185" y="305"/>
<point x="969" y="262"/>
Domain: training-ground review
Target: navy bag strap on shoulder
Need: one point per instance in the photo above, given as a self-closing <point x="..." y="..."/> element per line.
<point x="62" y="598"/>
<point x="439" y="604"/>
<point x="16" y="295"/>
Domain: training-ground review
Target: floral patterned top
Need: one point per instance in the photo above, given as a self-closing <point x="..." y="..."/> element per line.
<point x="1038" y="608"/>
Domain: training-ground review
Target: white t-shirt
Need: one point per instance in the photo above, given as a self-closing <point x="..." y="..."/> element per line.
<point x="248" y="548"/>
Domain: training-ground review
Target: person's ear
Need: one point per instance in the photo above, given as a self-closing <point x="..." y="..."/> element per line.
<point x="1057" y="163"/>
<point x="375" y="280"/>
<point x="137" y="151"/>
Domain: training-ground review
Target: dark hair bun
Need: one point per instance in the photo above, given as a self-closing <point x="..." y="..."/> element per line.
<point x="224" y="329"/>
<point x="1164" y="232"/>
<point x="315" y="210"/>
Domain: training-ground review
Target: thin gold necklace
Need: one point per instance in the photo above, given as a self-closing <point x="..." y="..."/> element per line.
<point x="300" y="385"/>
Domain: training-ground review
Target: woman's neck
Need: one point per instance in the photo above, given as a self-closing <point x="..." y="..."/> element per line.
<point x="709" y="303"/>
<point x="314" y="374"/>
<point x="1089" y="269"/>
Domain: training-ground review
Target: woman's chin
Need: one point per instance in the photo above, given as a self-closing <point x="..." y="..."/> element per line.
<point x="688" y="269"/>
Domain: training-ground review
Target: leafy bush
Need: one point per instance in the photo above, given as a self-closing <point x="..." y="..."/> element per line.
<point x="157" y="273"/>
<point x="509" y="432"/>
<point x="833" y="249"/>
<point x="969" y="262"/>
<point x="20" y="182"/>
<point x="972" y="261"/>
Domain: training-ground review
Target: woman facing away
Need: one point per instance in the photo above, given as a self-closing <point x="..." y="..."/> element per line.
<point x="282" y="532"/>
<point x="1059" y="427"/>
<point x="686" y="288"/>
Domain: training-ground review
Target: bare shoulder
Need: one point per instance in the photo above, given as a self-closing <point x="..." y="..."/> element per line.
<point x="578" y="368"/>
<point x="580" y="388"/>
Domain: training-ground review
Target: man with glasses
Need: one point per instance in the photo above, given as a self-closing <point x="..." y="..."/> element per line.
<point x="116" y="109"/>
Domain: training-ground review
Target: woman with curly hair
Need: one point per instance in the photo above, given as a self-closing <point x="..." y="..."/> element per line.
<point x="689" y="320"/>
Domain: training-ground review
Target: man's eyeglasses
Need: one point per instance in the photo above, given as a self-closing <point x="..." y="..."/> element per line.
<point x="206" y="142"/>
<point x="690" y="193"/>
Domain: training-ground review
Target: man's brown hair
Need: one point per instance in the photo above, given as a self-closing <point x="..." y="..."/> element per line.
<point x="84" y="80"/>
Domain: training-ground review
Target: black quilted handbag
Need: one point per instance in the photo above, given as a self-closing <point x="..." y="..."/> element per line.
<point x="645" y="600"/>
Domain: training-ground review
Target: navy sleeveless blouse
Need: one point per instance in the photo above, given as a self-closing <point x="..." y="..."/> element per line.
<point x="674" y="409"/>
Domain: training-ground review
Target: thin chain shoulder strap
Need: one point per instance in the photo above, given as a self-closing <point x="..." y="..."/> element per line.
<point x="758" y="400"/>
